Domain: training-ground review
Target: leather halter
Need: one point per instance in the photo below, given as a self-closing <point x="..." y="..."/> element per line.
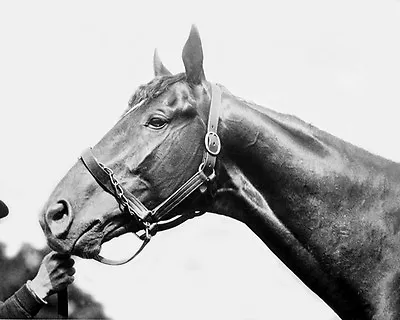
<point x="150" y="220"/>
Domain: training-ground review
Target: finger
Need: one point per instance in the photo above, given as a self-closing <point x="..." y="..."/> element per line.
<point x="64" y="260"/>
<point x="66" y="281"/>
<point x="50" y="255"/>
<point x="58" y="259"/>
<point x="68" y="263"/>
<point x="61" y="256"/>
<point x="71" y="271"/>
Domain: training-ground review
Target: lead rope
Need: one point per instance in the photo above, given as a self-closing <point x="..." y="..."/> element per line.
<point x="62" y="304"/>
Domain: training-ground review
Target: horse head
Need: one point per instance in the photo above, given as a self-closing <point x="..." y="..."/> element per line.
<point x="155" y="147"/>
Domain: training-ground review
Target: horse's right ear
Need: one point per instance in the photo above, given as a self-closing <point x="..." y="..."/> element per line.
<point x="192" y="56"/>
<point x="159" y="68"/>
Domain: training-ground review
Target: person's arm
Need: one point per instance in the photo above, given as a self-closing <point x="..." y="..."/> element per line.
<point x="22" y="304"/>
<point x="55" y="273"/>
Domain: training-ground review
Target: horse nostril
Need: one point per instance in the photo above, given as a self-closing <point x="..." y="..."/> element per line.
<point x="58" y="218"/>
<point x="59" y="212"/>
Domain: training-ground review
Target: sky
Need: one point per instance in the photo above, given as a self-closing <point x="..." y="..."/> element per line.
<point x="68" y="69"/>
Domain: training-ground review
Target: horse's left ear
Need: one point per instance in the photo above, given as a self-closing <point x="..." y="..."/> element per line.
<point x="192" y="56"/>
<point x="159" y="68"/>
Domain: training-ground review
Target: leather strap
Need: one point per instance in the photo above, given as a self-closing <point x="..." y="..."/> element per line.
<point x="211" y="140"/>
<point x="176" y="221"/>
<point x="179" y="195"/>
<point x="110" y="262"/>
<point x="98" y="173"/>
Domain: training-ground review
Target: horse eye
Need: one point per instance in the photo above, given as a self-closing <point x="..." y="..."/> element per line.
<point x="157" y="122"/>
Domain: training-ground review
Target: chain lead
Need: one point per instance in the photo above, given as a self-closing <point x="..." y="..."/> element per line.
<point x="122" y="199"/>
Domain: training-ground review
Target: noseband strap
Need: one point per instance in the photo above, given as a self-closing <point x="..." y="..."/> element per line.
<point x="150" y="220"/>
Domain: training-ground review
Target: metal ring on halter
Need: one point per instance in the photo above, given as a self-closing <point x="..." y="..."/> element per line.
<point x="147" y="230"/>
<point x="211" y="176"/>
<point x="201" y="166"/>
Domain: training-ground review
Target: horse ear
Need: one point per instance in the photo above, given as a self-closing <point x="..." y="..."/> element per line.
<point x="192" y="56"/>
<point x="159" y="68"/>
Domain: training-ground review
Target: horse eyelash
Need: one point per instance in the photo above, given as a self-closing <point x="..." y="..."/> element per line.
<point x="147" y="124"/>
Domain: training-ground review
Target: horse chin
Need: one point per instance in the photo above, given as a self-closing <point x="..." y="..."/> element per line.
<point x="88" y="245"/>
<point x="119" y="231"/>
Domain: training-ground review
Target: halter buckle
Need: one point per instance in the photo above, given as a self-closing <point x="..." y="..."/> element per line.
<point x="213" y="143"/>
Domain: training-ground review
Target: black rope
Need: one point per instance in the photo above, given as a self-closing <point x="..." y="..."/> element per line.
<point x="63" y="304"/>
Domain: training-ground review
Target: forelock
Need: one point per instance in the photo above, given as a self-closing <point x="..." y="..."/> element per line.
<point x="153" y="89"/>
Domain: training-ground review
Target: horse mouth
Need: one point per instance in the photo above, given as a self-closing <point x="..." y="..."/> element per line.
<point x="88" y="245"/>
<point x="116" y="232"/>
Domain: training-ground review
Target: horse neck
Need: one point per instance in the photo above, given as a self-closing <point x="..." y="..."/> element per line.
<point x="299" y="189"/>
<point x="289" y="161"/>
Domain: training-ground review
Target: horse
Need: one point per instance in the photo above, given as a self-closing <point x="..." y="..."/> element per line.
<point x="184" y="146"/>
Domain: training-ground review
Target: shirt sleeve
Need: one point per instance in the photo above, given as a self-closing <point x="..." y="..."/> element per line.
<point x="21" y="305"/>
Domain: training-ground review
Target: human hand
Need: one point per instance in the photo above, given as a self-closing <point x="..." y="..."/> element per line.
<point x="55" y="274"/>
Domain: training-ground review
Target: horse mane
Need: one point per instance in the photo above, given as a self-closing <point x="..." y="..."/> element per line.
<point x="153" y="89"/>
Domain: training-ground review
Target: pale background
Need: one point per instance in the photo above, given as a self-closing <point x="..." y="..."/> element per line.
<point x="67" y="70"/>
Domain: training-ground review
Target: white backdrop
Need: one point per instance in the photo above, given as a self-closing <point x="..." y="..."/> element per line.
<point x="334" y="64"/>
